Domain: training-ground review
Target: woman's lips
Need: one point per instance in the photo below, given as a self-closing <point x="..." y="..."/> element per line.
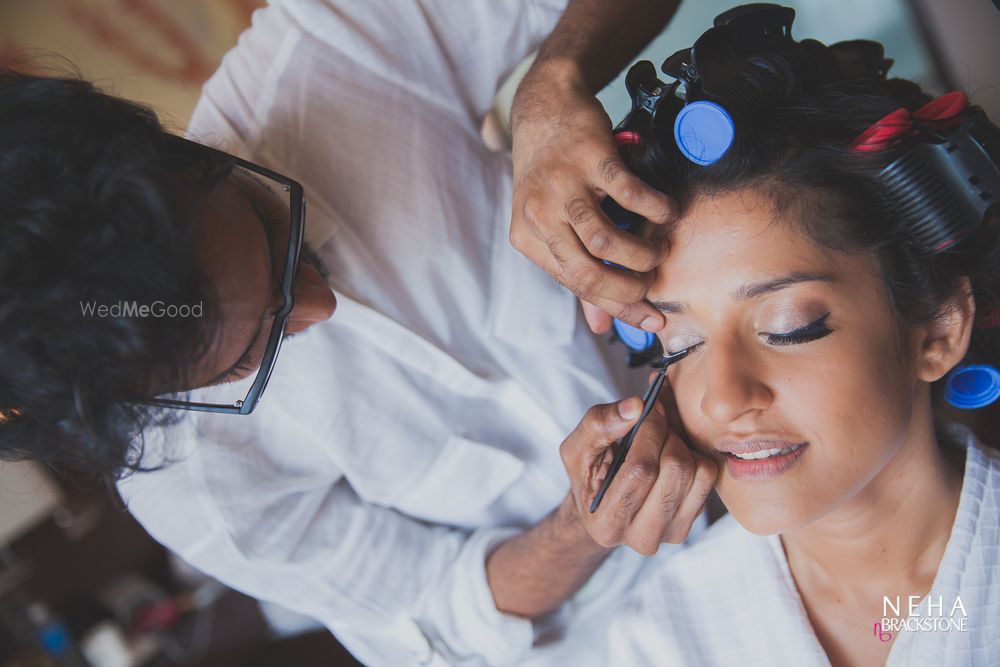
<point x="774" y="462"/>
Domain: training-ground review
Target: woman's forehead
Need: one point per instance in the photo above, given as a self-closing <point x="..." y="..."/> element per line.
<point x="727" y="239"/>
<point x="739" y="218"/>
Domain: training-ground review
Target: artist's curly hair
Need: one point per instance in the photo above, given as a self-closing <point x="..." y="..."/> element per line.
<point x="796" y="150"/>
<point x="96" y="205"/>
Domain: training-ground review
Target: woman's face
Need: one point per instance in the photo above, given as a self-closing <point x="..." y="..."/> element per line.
<point x="798" y="360"/>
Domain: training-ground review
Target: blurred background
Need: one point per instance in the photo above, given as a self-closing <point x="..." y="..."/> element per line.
<point x="81" y="583"/>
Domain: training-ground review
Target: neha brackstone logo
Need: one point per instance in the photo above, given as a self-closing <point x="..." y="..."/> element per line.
<point x="126" y="309"/>
<point x="939" y="616"/>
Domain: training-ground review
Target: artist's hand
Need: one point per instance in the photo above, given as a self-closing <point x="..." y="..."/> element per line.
<point x="658" y="492"/>
<point x="565" y="163"/>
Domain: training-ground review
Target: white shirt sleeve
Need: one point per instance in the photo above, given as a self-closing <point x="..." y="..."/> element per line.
<point x="394" y="590"/>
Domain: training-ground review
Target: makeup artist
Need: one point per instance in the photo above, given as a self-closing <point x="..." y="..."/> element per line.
<point x="400" y="479"/>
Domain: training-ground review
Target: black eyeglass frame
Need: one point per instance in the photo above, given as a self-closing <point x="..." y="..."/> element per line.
<point x="298" y="217"/>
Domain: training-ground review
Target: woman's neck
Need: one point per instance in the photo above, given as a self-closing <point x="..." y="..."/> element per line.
<point x="890" y="537"/>
<point x="885" y="543"/>
<point x="892" y="534"/>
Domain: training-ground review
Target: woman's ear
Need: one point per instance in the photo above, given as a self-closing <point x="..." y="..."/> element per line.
<point x="942" y="343"/>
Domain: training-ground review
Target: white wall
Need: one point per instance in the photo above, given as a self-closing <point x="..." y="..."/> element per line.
<point x="968" y="33"/>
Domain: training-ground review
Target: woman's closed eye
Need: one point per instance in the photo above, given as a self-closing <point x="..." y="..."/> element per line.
<point x="679" y="342"/>
<point x="813" y="331"/>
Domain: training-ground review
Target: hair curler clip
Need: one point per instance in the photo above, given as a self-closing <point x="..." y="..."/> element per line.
<point x="746" y="37"/>
<point x="745" y="62"/>
<point x="974" y="386"/>
<point x="647" y="92"/>
<point x="861" y="58"/>
<point x="946" y="187"/>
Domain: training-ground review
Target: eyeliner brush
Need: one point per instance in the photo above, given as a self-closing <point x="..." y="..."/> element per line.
<point x="648" y="399"/>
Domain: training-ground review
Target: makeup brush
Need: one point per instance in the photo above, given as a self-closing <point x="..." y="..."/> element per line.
<point x="648" y="399"/>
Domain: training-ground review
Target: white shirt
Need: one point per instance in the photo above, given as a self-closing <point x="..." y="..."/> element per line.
<point x="729" y="599"/>
<point x="400" y="442"/>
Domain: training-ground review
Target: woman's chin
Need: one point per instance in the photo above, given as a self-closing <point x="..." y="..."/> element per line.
<point x="764" y="514"/>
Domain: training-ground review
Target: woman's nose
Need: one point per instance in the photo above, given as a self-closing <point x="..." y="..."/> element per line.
<point x="314" y="300"/>
<point x="733" y="383"/>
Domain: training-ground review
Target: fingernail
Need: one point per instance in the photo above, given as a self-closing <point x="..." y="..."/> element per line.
<point x="628" y="409"/>
<point x="651" y="324"/>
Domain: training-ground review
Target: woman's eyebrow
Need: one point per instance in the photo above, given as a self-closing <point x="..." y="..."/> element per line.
<point x="768" y="286"/>
<point x="753" y="290"/>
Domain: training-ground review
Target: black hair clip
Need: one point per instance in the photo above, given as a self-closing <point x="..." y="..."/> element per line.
<point x="647" y="93"/>
<point x="722" y="51"/>
<point x="860" y="58"/>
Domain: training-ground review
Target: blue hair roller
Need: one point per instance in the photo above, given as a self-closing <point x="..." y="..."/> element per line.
<point x="971" y="387"/>
<point x="635" y="339"/>
<point x="704" y="131"/>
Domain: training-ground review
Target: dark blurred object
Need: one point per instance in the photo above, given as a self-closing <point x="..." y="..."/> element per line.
<point x="36" y="632"/>
<point x="241" y="638"/>
<point x="91" y="572"/>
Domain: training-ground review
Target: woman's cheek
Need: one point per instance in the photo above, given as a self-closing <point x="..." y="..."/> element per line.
<point x="688" y="402"/>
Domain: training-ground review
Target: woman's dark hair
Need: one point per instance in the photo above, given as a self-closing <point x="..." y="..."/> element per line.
<point x="96" y="206"/>
<point x="797" y="154"/>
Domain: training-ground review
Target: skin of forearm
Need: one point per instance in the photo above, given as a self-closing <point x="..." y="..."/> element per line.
<point x="535" y="572"/>
<point x="597" y="38"/>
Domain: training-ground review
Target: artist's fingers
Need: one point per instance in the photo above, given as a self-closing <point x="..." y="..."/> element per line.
<point x="673" y="483"/>
<point x="706" y="472"/>
<point x="591" y="280"/>
<point x="617" y="292"/>
<point x="597" y="319"/>
<point x="611" y="175"/>
<point x="603" y="425"/>
<point x="602" y="238"/>
<point x="631" y="486"/>
<point x="584" y="451"/>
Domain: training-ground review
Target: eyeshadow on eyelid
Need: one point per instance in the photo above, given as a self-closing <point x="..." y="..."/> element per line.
<point x="788" y="318"/>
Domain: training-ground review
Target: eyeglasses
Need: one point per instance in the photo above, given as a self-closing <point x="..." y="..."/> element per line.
<point x="285" y="242"/>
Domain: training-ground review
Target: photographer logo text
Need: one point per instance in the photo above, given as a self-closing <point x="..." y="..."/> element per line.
<point x="134" y="309"/>
<point x="908" y="614"/>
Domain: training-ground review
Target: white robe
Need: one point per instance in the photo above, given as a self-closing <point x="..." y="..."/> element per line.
<point x="729" y="598"/>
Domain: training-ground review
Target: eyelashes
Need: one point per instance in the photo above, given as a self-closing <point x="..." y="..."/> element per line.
<point x="813" y="331"/>
<point x="810" y="332"/>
